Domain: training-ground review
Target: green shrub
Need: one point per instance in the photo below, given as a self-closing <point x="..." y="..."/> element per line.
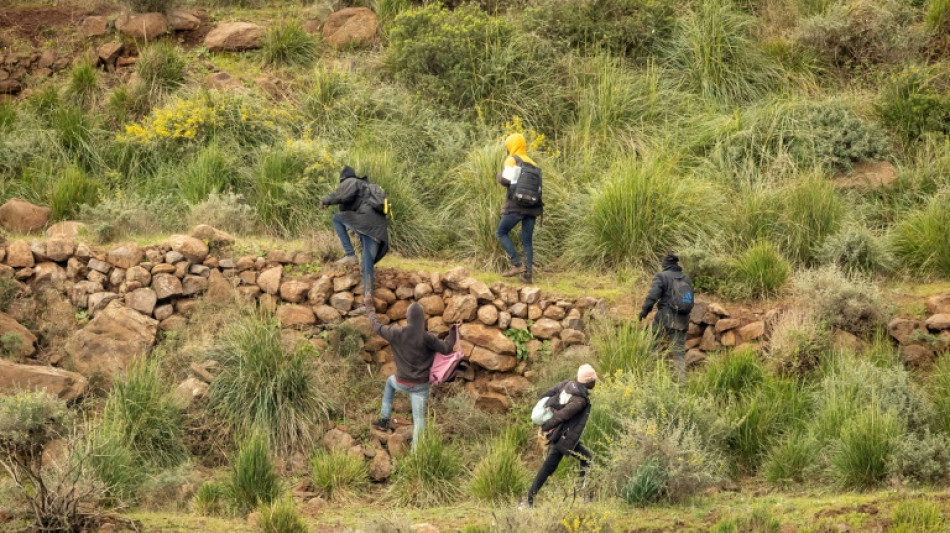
<point x="9" y="289"/>
<point x="733" y="373"/>
<point x="859" y="33"/>
<point x="280" y="192"/>
<point x="428" y="476"/>
<point x="812" y="211"/>
<point x="119" y="216"/>
<point x="853" y="304"/>
<point x="261" y="387"/>
<point x="287" y="43"/>
<point x="161" y="67"/>
<point x="281" y="516"/>
<point x="622" y="346"/>
<point x="798" y="343"/>
<point x="760" y="271"/>
<point x="78" y="135"/>
<point x="761" y="417"/>
<point x="646" y="485"/>
<point x="338" y="475"/>
<point x="73" y="189"/>
<point x="210" y="499"/>
<point x="500" y="475"/>
<point x="142" y="410"/>
<point x="938" y="14"/>
<point x="919" y="238"/>
<point x="640" y="213"/>
<point x="211" y="171"/>
<point x="715" y="52"/>
<point x="922" y="458"/>
<point x="83" y="84"/>
<point x="347" y="340"/>
<point x="227" y="211"/>
<point x="28" y="421"/>
<point x="760" y="520"/>
<point x="856" y="250"/>
<point x="916" y="101"/>
<point x="919" y="516"/>
<point x="789" y="459"/>
<point x="115" y="463"/>
<point x="633" y="28"/>
<point x="862" y="456"/>
<point x="253" y="479"/>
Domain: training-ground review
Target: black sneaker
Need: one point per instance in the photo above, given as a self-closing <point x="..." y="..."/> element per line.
<point x="526" y="278"/>
<point x="382" y="424"/>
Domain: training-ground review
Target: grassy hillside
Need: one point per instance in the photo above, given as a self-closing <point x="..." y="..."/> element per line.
<point x="792" y="151"/>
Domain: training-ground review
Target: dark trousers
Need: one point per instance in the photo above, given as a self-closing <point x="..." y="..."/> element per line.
<point x="508" y="223"/>
<point x="370" y="250"/>
<point x="553" y="459"/>
<point x="677" y="342"/>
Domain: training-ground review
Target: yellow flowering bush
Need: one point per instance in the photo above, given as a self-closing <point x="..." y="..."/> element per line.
<point x="204" y="116"/>
<point x="537" y="142"/>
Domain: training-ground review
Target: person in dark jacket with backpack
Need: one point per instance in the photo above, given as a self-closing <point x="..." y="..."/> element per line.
<point x="414" y="348"/>
<point x="570" y="403"/>
<point x="357" y="215"/>
<point x="670" y="323"/>
<point x="514" y="211"/>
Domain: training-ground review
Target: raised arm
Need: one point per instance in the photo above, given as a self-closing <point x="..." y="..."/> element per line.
<point x="385" y="332"/>
<point x="442" y="346"/>
<point x="344" y="193"/>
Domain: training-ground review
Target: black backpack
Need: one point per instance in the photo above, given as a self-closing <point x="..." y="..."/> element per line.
<point x="526" y="192"/>
<point x="681" y="294"/>
<point x="376" y="197"/>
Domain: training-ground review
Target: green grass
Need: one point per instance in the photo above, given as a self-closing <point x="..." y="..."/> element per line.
<point x="867" y="441"/>
<point x="919" y="516"/>
<point x="262" y="388"/>
<point x="253" y="480"/>
<point x="500" y="475"/>
<point x="918" y="238"/>
<point x="73" y="189"/>
<point x="161" y="67"/>
<point x="622" y="346"/>
<point x="428" y="476"/>
<point x="760" y="271"/>
<point x="338" y="475"/>
<point x="938" y="13"/>
<point x="210" y="499"/>
<point x="733" y="374"/>
<point x="281" y="516"/>
<point x="287" y="43"/>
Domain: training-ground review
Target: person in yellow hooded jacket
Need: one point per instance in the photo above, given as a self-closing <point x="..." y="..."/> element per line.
<point x="513" y="212"/>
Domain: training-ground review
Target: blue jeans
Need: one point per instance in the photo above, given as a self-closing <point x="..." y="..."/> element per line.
<point x="370" y="249"/>
<point x="505" y="225"/>
<point x="418" y="395"/>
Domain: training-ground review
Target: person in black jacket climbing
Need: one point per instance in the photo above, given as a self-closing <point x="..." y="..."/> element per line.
<point x="512" y="213"/>
<point x="370" y="225"/>
<point x="570" y="403"/>
<point x="668" y="323"/>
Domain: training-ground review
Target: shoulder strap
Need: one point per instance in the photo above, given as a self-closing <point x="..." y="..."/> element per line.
<point x="518" y="160"/>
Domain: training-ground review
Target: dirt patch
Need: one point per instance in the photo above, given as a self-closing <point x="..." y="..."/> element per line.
<point x="37" y="24"/>
<point x="196" y="37"/>
<point x="868" y="175"/>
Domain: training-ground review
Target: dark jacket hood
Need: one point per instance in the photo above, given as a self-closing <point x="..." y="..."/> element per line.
<point x="416" y="317"/>
<point x="670" y="261"/>
<point x="347" y="172"/>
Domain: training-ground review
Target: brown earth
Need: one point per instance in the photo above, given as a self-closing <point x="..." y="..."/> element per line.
<point x="34" y="23"/>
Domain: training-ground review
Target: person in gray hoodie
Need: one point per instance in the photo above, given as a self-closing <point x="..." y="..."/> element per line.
<point x="414" y="349"/>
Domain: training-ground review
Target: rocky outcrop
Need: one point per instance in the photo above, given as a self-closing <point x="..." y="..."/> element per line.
<point x="142" y="26"/>
<point x="351" y="27"/>
<point x="922" y="340"/>
<point x="61" y="383"/>
<point x="111" y="341"/>
<point x="234" y="36"/>
<point x="15" y="338"/>
<point x="20" y="216"/>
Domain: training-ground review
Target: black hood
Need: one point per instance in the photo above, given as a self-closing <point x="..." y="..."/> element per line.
<point x="415" y="317"/>
<point x="670" y="261"/>
<point x="347" y="172"/>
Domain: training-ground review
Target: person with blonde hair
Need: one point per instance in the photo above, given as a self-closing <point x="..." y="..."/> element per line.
<point x="522" y="179"/>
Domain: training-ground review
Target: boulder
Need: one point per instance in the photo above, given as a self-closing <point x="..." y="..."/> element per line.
<point x="555" y="312"/>
<point x="726" y="324"/>
<point x="95" y="26"/>
<point x="20" y="216"/>
<point x="49" y="272"/>
<point x="454" y="278"/>
<point x="10" y="327"/>
<point x="294" y="290"/>
<point x="546" y="328"/>
<point x="292" y="315"/>
<point x="398" y="310"/>
<point x="504" y="320"/>
<point x="194" y="250"/>
<point x="573" y="336"/>
<point x="234" y="36"/>
<point x="345" y="283"/>
<point x="918" y="356"/>
<point x="320" y="291"/>
<point x="461" y="308"/>
<point x="100" y="300"/>
<point x="342" y="301"/>
<point x="481" y="292"/>
<point x="750" y="332"/>
<point x="421" y="290"/>
<point x="938" y="304"/>
<point x="138" y="274"/>
<point x="404" y="293"/>
<point x="938" y="322"/>
<point x="181" y="20"/>
<point x="492" y="339"/>
<point x="19" y="255"/>
<point x="530" y="295"/>
<point x="351" y="26"/>
<point x="512" y="385"/>
<point x="396" y="444"/>
<point x="380" y="468"/>
<point x="490" y="360"/>
<point x="492" y="402"/>
<point x="337" y="440"/>
<point x="125" y="255"/>
<point x="327" y="314"/>
<point x="142" y="300"/>
<point x="166" y="286"/>
<point x="709" y="342"/>
<point x="269" y="280"/>
<point x="902" y="329"/>
<point x="164" y="311"/>
<point x="110" y="341"/>
<point x="60" y="249"/>
<point x="65" y="230"/>
<point x="519" y="310"/>
<point x="192" y="285"/>
<point x="142" y="26"/>
<point x="188" y="391"/>
<point x="432" y="305"/>
<point x="695" y="358"/>
<point x="718" y="310"/>
<point x="61" y="383"/>
<point x="488" y="315"/>
<point x="534" y="312"/>
<point x="212" y="235"/>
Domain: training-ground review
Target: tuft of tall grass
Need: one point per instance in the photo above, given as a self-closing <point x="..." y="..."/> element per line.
<point x="428" y="476"/>
<point x="733" y="374"/>
<point x="642" y="211"/>
<point x="253" y="479"/>
<point x="141" y="409"/>
<point x="798" y="343"/>
<point x="812" y="210"/>
<point x="622" y="346"/>
<point x="646" y="485"/>
<point x="211" y="171"/>
<point x="500" y="475"/>
<point x="73" y="188"/>
<point x="760" y="271"/>
<point x="917" y="516"/>
<point x="281" y="516"/>
<point x="283" y="197"/>
<point x="760" y="520"/>
<point x="915" y="101"/>
<point x="78" y="135"/>
<point x="856" y="249"/>
<point x="338" y="474"/>
<point x="162" y="68"/>
<point x="716" y="54"/>
<point x="210" y="499"/>
<point x="920" y="238"/>
<point x="852" y="303"/>
<point x="287" y="43"/>
<point x="759" y="418"/>
<point x="263" y="388"/>
<point x="83" y="84"/>
<point x="939" y="389"/>
<point x="115" y="464"/>
<point x="862" y="455"/>
<point x="938" y="14"/>
<point x="788" y="459"/>
<point x="8" y="116"/>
